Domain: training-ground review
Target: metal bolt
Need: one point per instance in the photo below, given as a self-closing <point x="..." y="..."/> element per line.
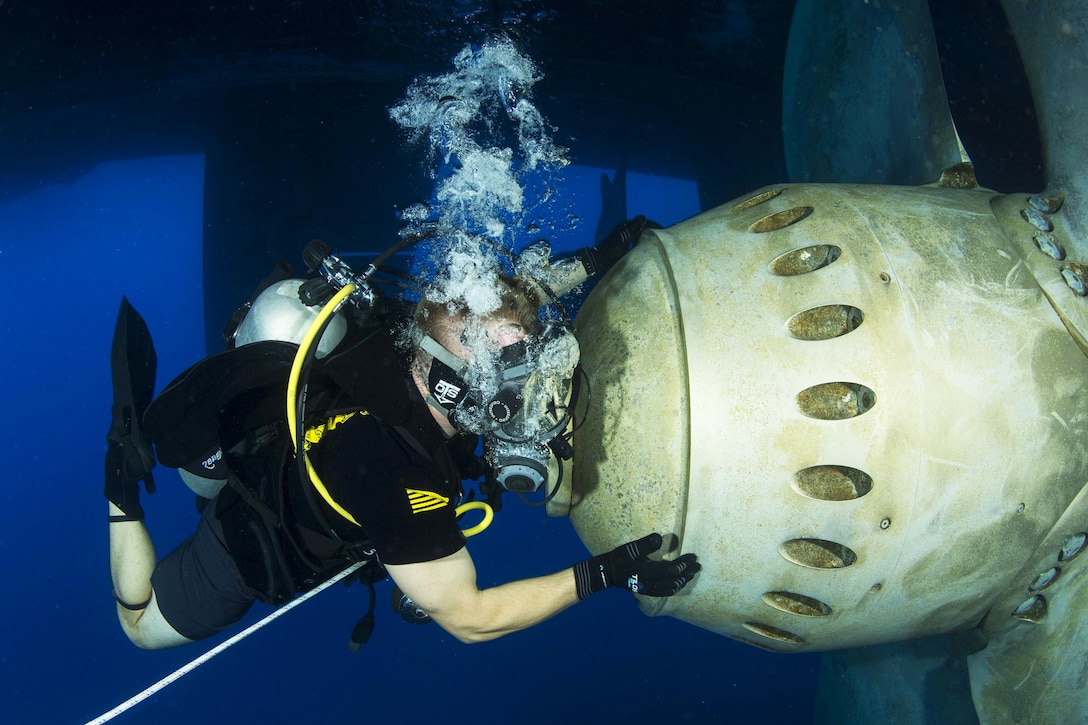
<point x="1076" y="276"/>
<point x="1048" y="204"/>
<point x="1044" y="580"/>
<point x="1037" y="219"/>
<point x="1049" y="246"/>
<point x="1032" y="610"/>
<point x="1073" y="546"/>
<point x="885" y="523"/>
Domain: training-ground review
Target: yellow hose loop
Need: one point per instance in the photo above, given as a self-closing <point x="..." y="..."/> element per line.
<point x="296" y="367"/>
<point x="320" y="486"/>
<point x="292" y="394"/>
<point x="489" y="515"/>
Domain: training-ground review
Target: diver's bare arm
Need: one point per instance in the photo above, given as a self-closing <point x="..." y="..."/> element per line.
<point x="446" y="590"/>
<point x="132" y="561"/>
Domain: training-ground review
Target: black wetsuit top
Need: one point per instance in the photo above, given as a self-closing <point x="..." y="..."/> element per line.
<point x="390" y="466"/>
<point x="402" y="497"/>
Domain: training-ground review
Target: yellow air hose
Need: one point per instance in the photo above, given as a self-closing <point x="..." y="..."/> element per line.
<point x="489" y="515"/>
<point x="315" y="329"/>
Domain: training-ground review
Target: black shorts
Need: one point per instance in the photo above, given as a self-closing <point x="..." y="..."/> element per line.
<point x="198" y="586"/>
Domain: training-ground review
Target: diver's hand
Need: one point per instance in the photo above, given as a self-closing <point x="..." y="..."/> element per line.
<point x="125" y="467"/>
<point x="598" y="260"/>
<point x="629" y="567"/>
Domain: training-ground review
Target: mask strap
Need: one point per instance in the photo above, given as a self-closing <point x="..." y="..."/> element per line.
<point x="453" y="364"/>
<point x="435" y="349"/>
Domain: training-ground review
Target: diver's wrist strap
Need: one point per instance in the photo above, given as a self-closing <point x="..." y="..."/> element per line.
<point x="588" y="257"/>
<point x="591" y="576"/>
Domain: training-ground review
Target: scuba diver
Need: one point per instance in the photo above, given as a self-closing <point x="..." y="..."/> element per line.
<point x="330" y="434"/>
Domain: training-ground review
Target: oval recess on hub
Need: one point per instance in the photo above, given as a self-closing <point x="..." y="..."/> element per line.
<point x="836" y="401"/>
<point x="805" y="260"/>
<point x="1032" y="610"/>
<point x="832" y="483"/>
<point x="1044" y="580"/>
<point x="825" y="322"/>
<point x="756" y="200"/>
<point x="775" y="633"/>
<point x="1073" y="546"/>
<point x="780" y="220"/>
<point x="818" y="553"/>
<point x="795" y="603"/>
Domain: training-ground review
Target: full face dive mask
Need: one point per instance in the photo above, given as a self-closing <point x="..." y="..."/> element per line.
<point x="516" y="399"/>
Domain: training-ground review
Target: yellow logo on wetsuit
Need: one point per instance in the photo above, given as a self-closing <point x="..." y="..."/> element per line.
<point x="317" y="432"/>
<point x="425" y="500"/>
<point x="313" y="436"/>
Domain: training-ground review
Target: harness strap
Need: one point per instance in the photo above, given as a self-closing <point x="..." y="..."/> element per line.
<point x="269" y="516"/>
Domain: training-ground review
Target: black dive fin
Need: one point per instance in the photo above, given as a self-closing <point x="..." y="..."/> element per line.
<point x="133" y="363"/>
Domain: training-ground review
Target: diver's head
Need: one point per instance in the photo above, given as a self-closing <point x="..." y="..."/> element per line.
<point x="447" y="318"/>
<point x="500" y="374"/>
<point x="457" y="350"/>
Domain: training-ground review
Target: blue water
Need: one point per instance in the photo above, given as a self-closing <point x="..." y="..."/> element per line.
<point x="134" y="228"/>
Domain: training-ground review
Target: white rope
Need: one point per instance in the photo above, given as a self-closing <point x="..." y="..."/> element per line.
<point x="186" y="669"/>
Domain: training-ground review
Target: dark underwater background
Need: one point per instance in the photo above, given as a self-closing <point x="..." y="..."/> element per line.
<point x="173" y="152"/>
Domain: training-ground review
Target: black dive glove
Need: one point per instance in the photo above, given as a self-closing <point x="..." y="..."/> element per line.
<point x="629" y="567"/>
<point x="598" y="260"/>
